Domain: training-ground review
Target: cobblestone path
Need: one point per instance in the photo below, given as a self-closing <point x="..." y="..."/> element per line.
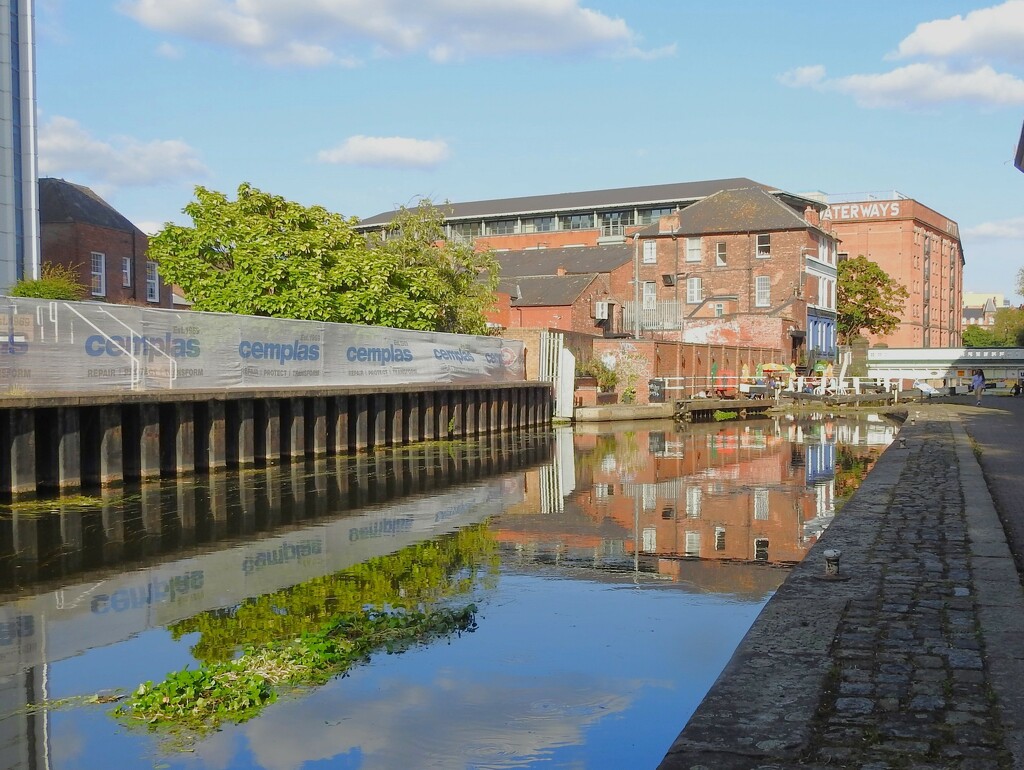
<point x="908" y="686"/>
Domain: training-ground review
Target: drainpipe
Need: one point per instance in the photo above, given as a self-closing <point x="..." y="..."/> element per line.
<point x="636" y="286"/>
<point x="675" y="283"/>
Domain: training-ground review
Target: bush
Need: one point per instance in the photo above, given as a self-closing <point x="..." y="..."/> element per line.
<point x="606" y="378"/>
<point x="57" y="282"/>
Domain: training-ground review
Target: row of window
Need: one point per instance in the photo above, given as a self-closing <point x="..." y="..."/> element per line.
<point x="608" y="221"/>
<point x="695" y="292"/>
<point x="692" y="250"/>
<point x="692" y="543"/>
<point x="99" y="276"/>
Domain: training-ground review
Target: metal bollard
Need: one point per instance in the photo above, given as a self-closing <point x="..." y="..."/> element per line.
<point x="832" y="562"/>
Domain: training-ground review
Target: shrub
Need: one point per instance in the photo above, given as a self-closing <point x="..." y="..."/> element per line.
<point x="606" y="378"/>
<point x="56" y="282"/>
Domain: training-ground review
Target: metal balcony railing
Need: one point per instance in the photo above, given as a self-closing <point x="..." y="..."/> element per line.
<point x="657" y="316"/>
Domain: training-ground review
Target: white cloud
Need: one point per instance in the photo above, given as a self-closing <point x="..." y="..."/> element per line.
<point x="996" y="32"/>
<point x="929" y="84"/>
<point x="803" y="76"/>
<point x="391" y="151"/>
<point x="149" y="227"/>
<point x="67" y="150"/>
<point x="314" y="33"/>
<point x="1003" y="229"/>
<point x="168" y="51"/>
<point x="960" y="50"/>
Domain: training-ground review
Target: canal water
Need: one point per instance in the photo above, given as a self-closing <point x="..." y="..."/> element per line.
<point x="613" y="571"/>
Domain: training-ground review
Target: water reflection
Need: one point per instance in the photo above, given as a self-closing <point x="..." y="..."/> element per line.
<point x="648" y="497"/>
<point x="240" y="559"/>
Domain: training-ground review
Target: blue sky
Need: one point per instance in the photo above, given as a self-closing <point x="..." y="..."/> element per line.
<point x="363" y="105"/>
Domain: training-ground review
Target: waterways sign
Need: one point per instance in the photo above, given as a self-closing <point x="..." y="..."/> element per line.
<point x="48" y="346"/>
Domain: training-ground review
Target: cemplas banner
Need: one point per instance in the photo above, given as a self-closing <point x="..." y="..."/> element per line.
<point x="48" y="346"/>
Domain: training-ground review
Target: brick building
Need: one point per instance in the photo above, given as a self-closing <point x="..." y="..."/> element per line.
<point x="784" y="297"/>
<point x="595" y="279"/>
<point x="980" y="309"/>
<point x="82" y="231"/>
<point x="555" y="301"/>
<point x="597" y="231"/>
<point x="739" y="267"/>
<point x="589" y="218"/>
<point x="916" y="246"/>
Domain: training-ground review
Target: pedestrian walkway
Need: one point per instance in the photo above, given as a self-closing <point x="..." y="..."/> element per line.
<point x="914" y="657"/>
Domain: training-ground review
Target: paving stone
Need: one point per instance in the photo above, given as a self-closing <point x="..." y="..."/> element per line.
<point x="912" y="673"/>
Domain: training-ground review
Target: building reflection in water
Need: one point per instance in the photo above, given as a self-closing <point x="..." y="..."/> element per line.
<point x="655" y="497"/>
<point x="706" y="507"/>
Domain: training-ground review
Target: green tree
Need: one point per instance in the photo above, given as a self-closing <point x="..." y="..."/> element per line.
<point x="1008" y="329"/>
<point x="868" y="299"/>
<point x="441" y="285"/>
<point x="264" y="255"/>
<point x="978" y="337"/>
<point x="55" y="282"/>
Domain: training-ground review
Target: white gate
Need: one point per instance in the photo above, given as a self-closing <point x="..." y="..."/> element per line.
<point x="558" y="366"/>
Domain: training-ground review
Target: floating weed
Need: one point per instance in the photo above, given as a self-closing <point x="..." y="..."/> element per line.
<point x="200" y="700"/>
<point x="67" y="503"/>
<point x="721" y="415"/>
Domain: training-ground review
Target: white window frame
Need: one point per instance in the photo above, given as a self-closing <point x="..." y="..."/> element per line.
<point x="693" y="253"/>
<point x="763" y="291"/>
<point x="650" y="295"/>
<point x="98" y="271"/>
<point x="694" y="291"/>
<point x="126" y="272"/>
<point x="763" y="249"/>
<point x="691" y="538"/>
<point x="761" y="507"/>
<point x="152" y="282"/>
<point x="694" y="496"/>
<point x="650" y="252"/>
<point x="761" y="546"/>
<point x="720" y="252"/>
<point x="650" y="540"/>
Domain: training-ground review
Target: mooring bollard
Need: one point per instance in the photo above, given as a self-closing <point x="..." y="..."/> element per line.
<point x="832" y="562"/>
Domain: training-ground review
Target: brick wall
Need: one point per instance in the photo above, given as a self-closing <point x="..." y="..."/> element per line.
<point x="653" y="358"/>
<point x="73" y="244"/>
<point x="734" y="276"/>
<point x="640" y="360"/>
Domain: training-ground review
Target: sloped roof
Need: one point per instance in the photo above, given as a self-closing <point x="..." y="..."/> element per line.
<point x="545" y="290"/>
<point x="971" y="313"/>
<point x="735" y="211"/>
<point x="61" y="201"/>
<point x="579" y="259"/>
<point x="624" y="197"/>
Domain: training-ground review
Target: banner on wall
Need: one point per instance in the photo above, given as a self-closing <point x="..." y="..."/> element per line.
<point x="48" y="346"/>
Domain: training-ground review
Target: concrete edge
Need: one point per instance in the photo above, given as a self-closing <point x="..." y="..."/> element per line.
<point x="998" y="594"/>
<point x="748" y="717"/>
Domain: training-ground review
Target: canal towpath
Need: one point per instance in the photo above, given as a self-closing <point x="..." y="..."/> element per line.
<point x="914" y="656"/>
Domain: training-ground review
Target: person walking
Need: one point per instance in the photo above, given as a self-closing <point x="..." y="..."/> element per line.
<point x="978" y="384"/>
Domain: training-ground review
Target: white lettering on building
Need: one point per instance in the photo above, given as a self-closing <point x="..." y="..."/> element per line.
<point x="872" y="210"/>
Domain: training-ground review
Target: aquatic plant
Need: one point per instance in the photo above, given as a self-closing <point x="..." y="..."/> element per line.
<point x="200" y="700"/>
<point x="420" y="574"/>
<point x="721" y="415"/>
